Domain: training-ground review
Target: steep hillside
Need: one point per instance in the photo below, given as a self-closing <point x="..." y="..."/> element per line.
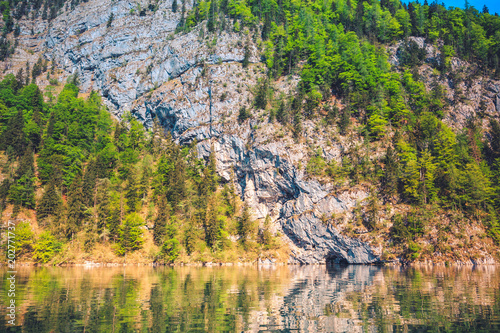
<point x="358" y="141"/>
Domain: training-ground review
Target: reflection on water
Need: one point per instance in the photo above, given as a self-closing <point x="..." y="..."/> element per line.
<point x="271" y="299"/>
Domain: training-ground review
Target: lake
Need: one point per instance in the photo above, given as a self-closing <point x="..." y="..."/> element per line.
<point x="254" y="299"/>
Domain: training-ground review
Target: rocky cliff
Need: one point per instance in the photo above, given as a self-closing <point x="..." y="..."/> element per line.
<point x="140" y="65"/>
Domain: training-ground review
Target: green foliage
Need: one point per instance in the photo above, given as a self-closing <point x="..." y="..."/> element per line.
<point x="46" y="247"/>
<point x="243" y="114"/>
<point x="50" y="203"/>
<point x="413" y="251"/>
<point x="262" y="94"/>
<point x="96" y="178"/>
<point x="76" y="208"/>
<point x="110" y="20"/>
<point x="130" y="234"/>
<point x="24" y="238"/>
<point x="338" y="49"/>
<point x="266" y="237"/>
<point x="132" y="194"/>
<point x="245" y="226"/>
<point x="399" y="231"/>
<point x="162" y="217"/>
<point x="316" y="164"/>
<point x="171" y="249"/>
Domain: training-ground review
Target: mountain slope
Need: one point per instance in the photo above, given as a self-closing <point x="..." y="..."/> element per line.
<point x="312" y="143"/>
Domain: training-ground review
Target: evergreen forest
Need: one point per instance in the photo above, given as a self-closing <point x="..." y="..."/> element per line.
<point x="97" y="184"/>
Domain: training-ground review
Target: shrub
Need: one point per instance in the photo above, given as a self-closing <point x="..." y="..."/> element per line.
<point x="243" y="114"/>
<point x="399" y="231"/>
<point x="24" y="238"/>
<point x="316" y="165"/>
<point x="46" y="247"/>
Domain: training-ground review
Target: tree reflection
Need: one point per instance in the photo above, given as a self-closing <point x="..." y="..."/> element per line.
<point x="235" y="299"/>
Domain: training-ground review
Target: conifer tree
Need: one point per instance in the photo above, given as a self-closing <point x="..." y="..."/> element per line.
<point x="89" y="183"/>
<point x="132" y="195"/>
<point x="212" y="16"/>
<point x="495" y="140"/>
<point x="14" y="135"/>
<point x="144" y="183"/>
<point x="390" y="177"/>
<point x="245" y="224"/>
<point x="50" y="204"/>
<point x="130" y="234"/>
<point x="162" y="217"/>
<point x="266" y="237"/>
<point x="35" y="132"/>
<point x="190" y="237"/>
<point x="76" y="208"/>
<point x="20" y="79"/>
<point x="103" y="213"/>
<point x="212" y="225"/>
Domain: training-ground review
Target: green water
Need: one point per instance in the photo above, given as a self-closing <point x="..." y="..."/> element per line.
<point x="253" y="299"/>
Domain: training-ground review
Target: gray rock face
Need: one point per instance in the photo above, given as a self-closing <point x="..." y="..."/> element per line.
<point x="275" y="187"/>
<point x="140" y="65"/>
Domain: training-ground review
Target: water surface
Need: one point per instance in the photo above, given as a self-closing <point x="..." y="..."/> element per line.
<point x="254" y="299"/>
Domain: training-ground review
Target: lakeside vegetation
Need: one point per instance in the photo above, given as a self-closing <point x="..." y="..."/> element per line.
<point x="95" y="186"/>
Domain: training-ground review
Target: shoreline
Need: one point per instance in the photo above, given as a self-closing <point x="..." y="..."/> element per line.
<point x="90" y="264"/>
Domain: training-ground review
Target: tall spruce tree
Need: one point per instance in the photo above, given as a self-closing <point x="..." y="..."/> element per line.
<point x="50" y="204"/>
<point x="14" y="135"/>
<point x="212" y="16"/>
<point x="132" y="194"/>
<point x="75" y="208"/>
<point x="212" y="225"/>
<point x="162" y="217"/>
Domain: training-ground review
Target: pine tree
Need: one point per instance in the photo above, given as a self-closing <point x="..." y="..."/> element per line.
<point x="297" y="125"/>
<point x="345" y="120"/>
<point x="89" y="183"/>
<point x="212" y="171"/>
<point x="245" y="225"/>
<point x="246" y="56"/>
<point x="110" y="20"/>
<point x="113" y="220"/>
<point x="132" y="195"/>
<point x="103" y="213"/>
<point x="50" y="203"/>
<point x="212" y="225"/>
<point x="494" y="146"/>
<point x="131" y="234"/>
<point x="20" y="79"/>
<point x="266" y="237"/>
<point x="14" y="135"/>
<point x="35" y="135"/>
<point x="76" y="208"/>
<point x="390" y="177"/>
<point x="190" y="237"/>
<point x="212" y="16"/>
<point x="281" y="114"/>
<point x="22" y="191"/>
<point x="144" y="183"/>
<point x="174" y="6"/>
<point x="162" y="217"/>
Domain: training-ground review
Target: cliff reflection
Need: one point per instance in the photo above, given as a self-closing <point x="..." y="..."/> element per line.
<point x="253" y="299"/>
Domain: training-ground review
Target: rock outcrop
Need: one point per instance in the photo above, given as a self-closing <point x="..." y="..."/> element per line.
<point x="466" y="98"/>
